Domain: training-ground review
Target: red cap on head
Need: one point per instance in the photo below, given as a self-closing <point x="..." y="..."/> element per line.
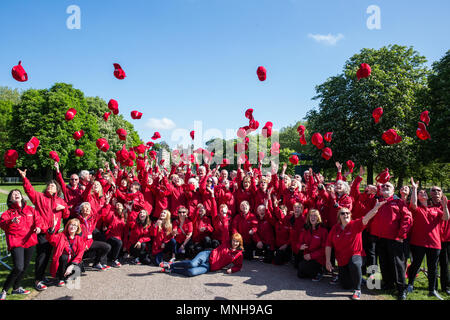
<point x="10" y="157"/>
<point x="118" y="71"/>
<point x="262" y="73"/>
<point x="327" y="153"/>
<point x="136" y="114"/>
<point x="377" y="113"/>
<point x="79" y="153"/>
<point x="18" y="73"/>
<point x="70" y="114"/>
<point x="32" y="145"/>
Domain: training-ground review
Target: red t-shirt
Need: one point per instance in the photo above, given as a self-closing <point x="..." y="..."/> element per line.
<point x="346" y="242"/>
<point x="425" y="231"/>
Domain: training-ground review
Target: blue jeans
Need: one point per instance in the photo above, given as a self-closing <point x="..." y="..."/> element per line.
<point x="194" y="267"/>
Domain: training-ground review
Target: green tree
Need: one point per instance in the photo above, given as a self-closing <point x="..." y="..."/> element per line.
<point x="346" y="104"/>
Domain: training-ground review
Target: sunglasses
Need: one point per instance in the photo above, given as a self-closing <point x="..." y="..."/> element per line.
<point x="436" y="190"/>
<point x="343" y="213"/>
<point x="72" y="179"/>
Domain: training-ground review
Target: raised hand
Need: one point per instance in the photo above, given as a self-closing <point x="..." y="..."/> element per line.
<point x="414" y="185"/>
<point x="23" y="173"/>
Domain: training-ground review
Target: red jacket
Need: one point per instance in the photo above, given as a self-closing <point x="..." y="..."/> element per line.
<point x="116" y="226"/>
<point x="222" y="226"/>
<point x="296" y="230"/>
<point x="243" y="225"/>
<point x="20" y="233"/>
<point x="282" y="227"/>
<point x="392" y="221"/>
<point x="316" y="241"/>
<point x="201" y="222"/>
<point x="159" y="237"/>
<point x="426" y="229"/>
<point x="46" y="205"/>
<point x="137" y="233"/>
<point x="88" y="225"/>
<point x="73" y="197"/>
<point x="223" y="255"/>
<point x="265" y="233"/>
<point x="224" y="196"/>
<point x="346" y="242"/>
<point x="333" y="203"/>
<point x="161" y="192"/>
<point x="182" y="231"/>
<point x="64" y="245"/>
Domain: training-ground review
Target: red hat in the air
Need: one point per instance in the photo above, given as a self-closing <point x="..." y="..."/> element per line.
<point x="118" y="71"/>
<point x="136" y="114"/>
<point x="364" y="71"/>
<point x="79" y="153"/>
<point x="317" y="140"/>
<point x="377" y="113"/>
<point x="78" y="134"/>
<point x="10" y="158"/>
<point x="156" y="135"/>
<point x="32" y="145"/>
<point x="18" y="73"/>
<point x="262" y="73"/>
<point x="422" y="132"/>
<point x="391" y="137"/>
<point x="106" y="116"/>
<point x="70" y="114"/>
<point x="327" y="153"/>
<point x="102" y="144"/>
<point x="54" y="156"/>
<point x="113" y="105"/>
<point x="293" y="159"/>
<point x="122" y="133"/>
<point x="350" y="165"/>
<point x="425" y="117"/>
<point x="192" y="133"/>
<point x="327" y="136"/>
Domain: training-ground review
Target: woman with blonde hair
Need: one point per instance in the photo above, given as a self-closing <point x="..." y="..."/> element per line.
<point x="312" y="245"/>
<point x="163" y="238"/>
<point x="346" y="239"/>
<point x="68" y="251"/>
<point x="139" y="240"/>
<point x="211" y="260"/>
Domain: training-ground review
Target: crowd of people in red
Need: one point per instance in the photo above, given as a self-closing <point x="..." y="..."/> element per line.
<point x="195" y="219"/>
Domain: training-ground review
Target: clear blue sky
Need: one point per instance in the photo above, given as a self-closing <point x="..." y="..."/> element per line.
<point x="196" y="60"/>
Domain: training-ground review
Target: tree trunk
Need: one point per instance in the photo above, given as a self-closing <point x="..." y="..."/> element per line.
<point x="370" y="173"/>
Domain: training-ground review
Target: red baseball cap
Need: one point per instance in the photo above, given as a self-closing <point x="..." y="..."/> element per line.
<point x="79" y="153"/>
<point x="136" y="114"/>
<point x="122" y="133"/>
<point x="262" y="73"/>
<point x="32" y="145"/>
<point x="70" y="114"/>
<point x="10" y="157"/>
<point x="78" y="134"/>
<point x="118" y="71"/>
<point x="377" y="113"/>
<point x="18" y="73"/>
<point x="327" y="153"/>
<point x="156" y="135"/>
<point x="54" y="156"/>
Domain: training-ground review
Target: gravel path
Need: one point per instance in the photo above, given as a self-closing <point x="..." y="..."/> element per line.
<point x="256" y="281"/>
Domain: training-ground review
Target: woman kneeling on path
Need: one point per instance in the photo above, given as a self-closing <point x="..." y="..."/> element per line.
<point x="211" y="260"/>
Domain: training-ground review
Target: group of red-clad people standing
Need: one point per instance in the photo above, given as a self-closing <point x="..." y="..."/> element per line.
<point x="195" y="219"/>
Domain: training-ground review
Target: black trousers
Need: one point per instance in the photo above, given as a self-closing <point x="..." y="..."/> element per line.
<point x="350" y="275"/>
<point x="21" y="259"/>
<point x="369" y="246"/>
<point x="249" y="248"/>
<point x="205" y="244"/>
<point x="116" y="246"/>
<point x="189" y="250"/>
<point x="43" y="254"/>
<point x="309" y="268"/>
<point x="282" y="256"/>
<point x="265" y="252"/>
<point x="418" y="253"/>
<point x="443" y="265"/>
<point x="142" y="253"/>
<point x="99" y="251"/>
<point x="391" y="255"/>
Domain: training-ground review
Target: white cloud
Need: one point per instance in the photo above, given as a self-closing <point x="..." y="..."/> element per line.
<point x="160" y="124"/>
<point x="328" y="39"/>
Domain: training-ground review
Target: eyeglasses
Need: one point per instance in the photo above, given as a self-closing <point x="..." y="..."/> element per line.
<point x="73" y="179"/>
